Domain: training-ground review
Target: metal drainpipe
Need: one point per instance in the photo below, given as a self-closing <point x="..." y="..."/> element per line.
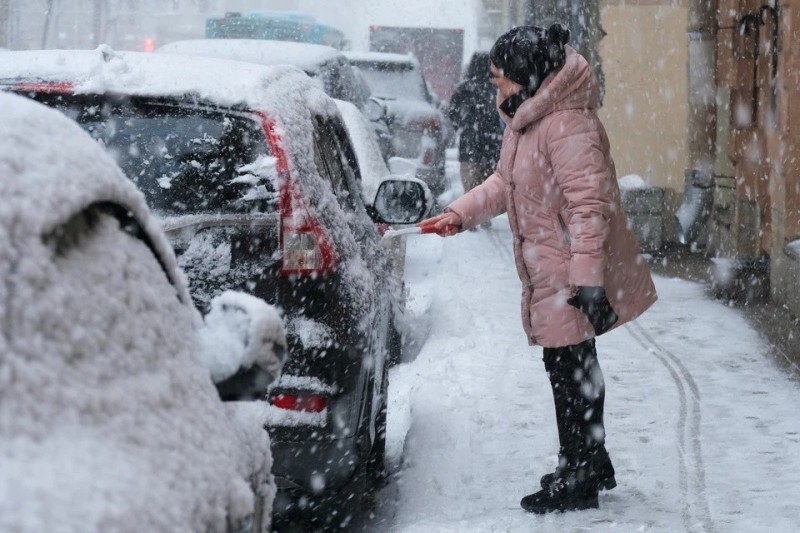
<point x="702" y="120"/>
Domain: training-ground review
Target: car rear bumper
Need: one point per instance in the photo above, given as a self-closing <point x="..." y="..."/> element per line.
<point x="312" y="469"/>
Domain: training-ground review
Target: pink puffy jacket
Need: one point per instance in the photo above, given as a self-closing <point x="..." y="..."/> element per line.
<point x="557" y="181"/>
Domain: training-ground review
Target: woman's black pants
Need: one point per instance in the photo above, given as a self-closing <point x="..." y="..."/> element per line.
<point x="578" y="394"/>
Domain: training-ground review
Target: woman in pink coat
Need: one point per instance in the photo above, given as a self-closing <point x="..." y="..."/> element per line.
<point x="579" y="264"/>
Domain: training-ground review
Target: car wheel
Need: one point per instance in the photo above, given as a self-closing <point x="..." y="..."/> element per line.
<point x="351" y="498"/>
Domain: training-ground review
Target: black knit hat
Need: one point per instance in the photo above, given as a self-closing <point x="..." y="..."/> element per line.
<point x="527" y="54"/>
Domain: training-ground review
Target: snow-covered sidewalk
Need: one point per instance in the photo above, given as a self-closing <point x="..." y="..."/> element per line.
<point x="703" y="428"/>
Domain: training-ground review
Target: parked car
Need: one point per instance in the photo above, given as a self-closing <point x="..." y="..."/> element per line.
<point x="419" y="129"/>
<point x="373" y="172"/>
<point x="108" y="420"/>
<point x="249" y="169"/>
<point x="324" y="64"/>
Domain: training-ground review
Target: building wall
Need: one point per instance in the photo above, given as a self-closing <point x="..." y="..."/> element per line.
<point x="644" y="57"/>
<point x="785" y="271"/>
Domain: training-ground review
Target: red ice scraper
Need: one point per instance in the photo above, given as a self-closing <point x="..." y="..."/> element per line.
<point x="414" y="230"/>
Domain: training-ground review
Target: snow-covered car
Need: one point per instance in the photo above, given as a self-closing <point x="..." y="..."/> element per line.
<point x="325" y="64"/>
<point x="108" y="419"/>
<point x="249" y="169"/>
<point x="374" y="171"/>
<point x="419" y="130"/>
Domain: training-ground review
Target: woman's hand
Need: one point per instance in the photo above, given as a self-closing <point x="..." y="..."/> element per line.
<point x="592" y="301"/>
<point x="446" y="224"/>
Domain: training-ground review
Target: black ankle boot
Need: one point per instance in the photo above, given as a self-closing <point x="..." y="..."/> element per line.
<point x="566" y="493"/>
<point x="601" y="472"/>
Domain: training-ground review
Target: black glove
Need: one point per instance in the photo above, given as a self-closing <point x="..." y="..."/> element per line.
<point x="593" y="303"/>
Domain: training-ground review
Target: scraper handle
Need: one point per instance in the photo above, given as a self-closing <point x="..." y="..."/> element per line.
<point x="431" y="228"/>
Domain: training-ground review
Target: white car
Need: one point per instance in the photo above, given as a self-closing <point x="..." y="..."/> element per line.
<point x="373" y="171"/>
<point x="108" y="419"/>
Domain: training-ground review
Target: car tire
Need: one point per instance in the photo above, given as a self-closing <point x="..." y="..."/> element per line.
<point x="352" y="498"/>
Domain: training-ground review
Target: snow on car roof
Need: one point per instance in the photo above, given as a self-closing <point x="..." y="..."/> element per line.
<point x="86" y="175"/>
<point x="379" y="57"/>
<point x="222" y="82"/>
<point x="306" y="56"/>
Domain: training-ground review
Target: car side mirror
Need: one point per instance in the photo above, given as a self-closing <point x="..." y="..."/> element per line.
<point x="402" y="201"/>
<point x="243" y="345"/>
<point x="374" y="110"/>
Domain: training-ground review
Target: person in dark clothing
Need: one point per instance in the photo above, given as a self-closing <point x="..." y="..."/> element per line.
<point x="473" y="111"/>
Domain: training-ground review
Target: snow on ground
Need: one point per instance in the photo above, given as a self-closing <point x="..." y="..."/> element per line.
<point x="702" y="425"/>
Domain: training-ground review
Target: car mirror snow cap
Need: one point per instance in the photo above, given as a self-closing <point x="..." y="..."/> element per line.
<point x="374" y="109"/>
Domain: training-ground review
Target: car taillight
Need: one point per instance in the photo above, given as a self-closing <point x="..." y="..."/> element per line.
<point x="424" y="123"/>
<point x="301" y="251"/>
<point x="306" y="246"/>
<point x="428" y="150"/>
<point x="45" y="87"/>
<point x="310" y="403"/>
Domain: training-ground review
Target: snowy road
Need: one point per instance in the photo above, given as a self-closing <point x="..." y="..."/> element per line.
<point x="703" y="428"/>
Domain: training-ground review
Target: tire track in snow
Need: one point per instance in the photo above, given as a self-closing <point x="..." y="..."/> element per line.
<point x="500" y="245"/>
<point x="691" y="468"/>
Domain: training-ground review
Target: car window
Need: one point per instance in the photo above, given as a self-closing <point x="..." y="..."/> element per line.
<point x="394" y="80"/>
<point x="336" y="161"/>
<point x="185" y="159"/>
<point x="331" y="76"/>
<point x="361" y="87"/>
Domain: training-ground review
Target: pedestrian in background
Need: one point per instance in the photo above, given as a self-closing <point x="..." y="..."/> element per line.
<point x="473" y="112"/>
<point x="579" y="264"/>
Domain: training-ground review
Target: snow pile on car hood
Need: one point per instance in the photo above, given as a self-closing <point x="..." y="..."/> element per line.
<point x="107" y="421"/>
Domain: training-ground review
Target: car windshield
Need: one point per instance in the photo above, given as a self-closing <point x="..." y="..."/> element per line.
<point x="184" y="159"/>
<point x="394" y="80"/>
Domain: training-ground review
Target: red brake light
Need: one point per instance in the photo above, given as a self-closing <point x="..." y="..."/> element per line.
<point x="149" y="45"/>
<point x="427" y="158"/>
<point x="45" y="87"/>
<point x="311" y="403"/>
<point x="306" y="246"/>
<point x="424" y="123"/>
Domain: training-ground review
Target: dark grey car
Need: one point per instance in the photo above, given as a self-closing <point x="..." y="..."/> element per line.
<point x="256" y="182"/>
